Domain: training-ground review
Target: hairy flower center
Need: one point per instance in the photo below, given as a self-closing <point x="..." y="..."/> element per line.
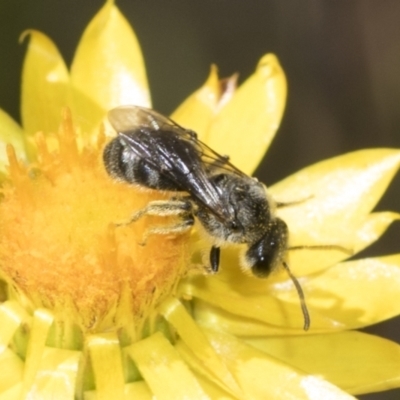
<point x="66" y="243"/>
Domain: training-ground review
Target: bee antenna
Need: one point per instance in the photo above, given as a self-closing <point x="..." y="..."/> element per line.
<point x="300" y="292"/>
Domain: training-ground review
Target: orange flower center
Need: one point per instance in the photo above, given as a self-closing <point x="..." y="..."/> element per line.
<point x="64" y="244"/>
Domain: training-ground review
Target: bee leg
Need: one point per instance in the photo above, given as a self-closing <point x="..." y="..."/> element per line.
<point x="214" y="258"/>
<point x="161" y="208"/>
<point x="179" y="228"/>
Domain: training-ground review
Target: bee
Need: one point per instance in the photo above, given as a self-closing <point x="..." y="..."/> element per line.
<point x="154" y="152"/>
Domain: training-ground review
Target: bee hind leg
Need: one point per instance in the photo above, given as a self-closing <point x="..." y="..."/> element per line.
<point x="176" y="229"/>
<point x="161" y="208"/>
<point x="180" y="207"/>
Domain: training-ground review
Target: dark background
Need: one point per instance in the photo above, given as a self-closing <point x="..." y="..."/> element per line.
<point x="342" y="60"/>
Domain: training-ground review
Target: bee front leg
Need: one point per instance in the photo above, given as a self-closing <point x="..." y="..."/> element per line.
<point x="214" y="259"/>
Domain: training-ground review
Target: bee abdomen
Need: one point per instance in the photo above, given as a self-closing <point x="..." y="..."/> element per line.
<point x="113" y="160"/>
<point x="123" y="164"/>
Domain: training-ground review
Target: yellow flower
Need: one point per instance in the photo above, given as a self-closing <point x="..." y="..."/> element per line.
<point x="89" y="313"/>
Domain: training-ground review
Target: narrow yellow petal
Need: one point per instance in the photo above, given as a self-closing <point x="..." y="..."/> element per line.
<point x="12" y="315"/>
<point x="191" y="334"/>
<point x="108" y="68"/>
<point x="45" y="85"/>
<point x="356" y="293"/>
<point x="164" y="371"/>
<point x="11" y="370"/>
<point x="346" y="296"/>
<point x="42" y="321"/>
<point x="275" y="304"/>
<point x="14" y="393"/>
<point x="356" y="362"/>
<point x="136" y="390"/>
<point x="280" y="382"/>
<point x="247" y="124"/>
<point x="198" y="110"/>
<point x="10" y="132"/>
<point x="105" y="354"/>
<point x="207" y="380"/>
<point x="333" y="199"/>
<point x="238" y="325"/>
<point x="56" y="375"/>
<point x="213" y="391"/>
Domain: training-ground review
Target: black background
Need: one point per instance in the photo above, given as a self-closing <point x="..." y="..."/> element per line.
<point x="342" y="60"/>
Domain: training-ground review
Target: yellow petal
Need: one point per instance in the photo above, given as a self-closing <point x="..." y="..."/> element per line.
<point x="12" y="315"/>
<point x="14" y="393"/>
<point x="355" y="293"/>
<point x="136" y="390"/>
<point x="334" y="198"/>
<point x="213" y="391"/>
<point x="208" y="380"/>
<point x="108" y="68"/>
<point x="198" y="110"/>
<point x="336" y="357"/>
<point x="164" y="371"/>
<point x="10" y="132"/>
<point x="372" y="229"/>
<point x="265" y="377"/>
<point x="237" y="325"/>
<point x="275" y="304"/>
<point x="247" y="124"/>
<point x="56" y="376"/>
<point x="106" y="360"/>
<point x="42" y="321"/>
<point x="11" y="370"/>
<point x="346" y="296"/>
<point x="179" y="318"/>
<point x="45" y="85"/>
<point x="306" y="261"/>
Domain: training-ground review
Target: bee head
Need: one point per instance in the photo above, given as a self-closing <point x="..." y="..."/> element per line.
<point x="267" y="254"/>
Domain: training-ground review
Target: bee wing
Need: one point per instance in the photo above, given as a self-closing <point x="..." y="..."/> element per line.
<point x="126" y="118"/>
<point x="215" y="162"/>
<point x="173" y="151"/>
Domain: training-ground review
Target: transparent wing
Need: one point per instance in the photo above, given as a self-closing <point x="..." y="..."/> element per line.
<point x="175" y="152"/>
<point x="129" y="118"/>
<point x="215" y="162"/>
